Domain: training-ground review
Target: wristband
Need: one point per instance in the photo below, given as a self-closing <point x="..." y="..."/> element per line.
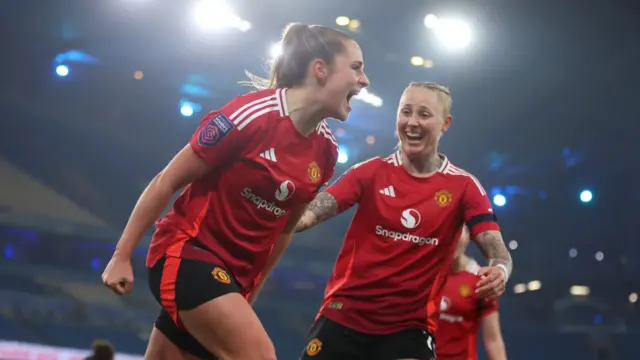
<point x="505" y="272"/>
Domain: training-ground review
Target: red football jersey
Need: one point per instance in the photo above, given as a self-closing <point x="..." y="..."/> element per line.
<point x="460" y="314"/>
<point x="399" y="248"/>
<point x="262" y="168"/>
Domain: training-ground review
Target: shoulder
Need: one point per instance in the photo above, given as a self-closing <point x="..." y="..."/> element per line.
<point x="255" y="107"/>
<point x="456" y="173"/>
<point x="324" y="134"/>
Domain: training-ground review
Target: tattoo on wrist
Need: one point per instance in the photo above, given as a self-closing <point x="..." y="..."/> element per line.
<point x="323" y="207"/>
<point x="495" y="250"/>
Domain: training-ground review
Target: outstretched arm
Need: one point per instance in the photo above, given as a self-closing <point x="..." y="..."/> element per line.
<point x="322" y="208"/>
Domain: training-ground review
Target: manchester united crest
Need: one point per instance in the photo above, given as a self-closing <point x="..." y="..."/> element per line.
<point x="313" y="347"/>
<point x="314" y="173"/>
<point x="443" y="198"/>
<point x="465" y="290"/>
<point x="221" y="275"/>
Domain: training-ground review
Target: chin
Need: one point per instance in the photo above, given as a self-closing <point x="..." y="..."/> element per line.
<point x="340" y="116"/>
<point x="415" y="151"/>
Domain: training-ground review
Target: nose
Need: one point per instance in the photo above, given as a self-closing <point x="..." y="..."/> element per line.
<point x="363" y="81"/>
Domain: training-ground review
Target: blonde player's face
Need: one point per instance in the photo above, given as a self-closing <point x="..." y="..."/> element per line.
<point x="420" y="121"/>
<point x="345" y="80"/>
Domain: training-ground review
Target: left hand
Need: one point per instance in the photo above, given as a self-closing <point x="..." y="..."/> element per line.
<point x="492" y="283"/>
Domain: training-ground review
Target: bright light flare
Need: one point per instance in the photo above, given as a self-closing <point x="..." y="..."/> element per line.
<point x="579" y="290"/>
<point x="369" y="98"/>
<point x="454" y="34"/>
<point x="276" y="50"/>
<point x="62" y="70"/>
<point x="342" y="21"/>
<point x="217" y="14"/>
<point x="430" y="21"/>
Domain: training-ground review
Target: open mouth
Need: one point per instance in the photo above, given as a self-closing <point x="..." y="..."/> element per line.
<point x="351" y="95"/>
<point x="414" y="136"/>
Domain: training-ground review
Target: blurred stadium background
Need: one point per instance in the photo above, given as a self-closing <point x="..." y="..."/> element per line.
<point x="96" y="97"/>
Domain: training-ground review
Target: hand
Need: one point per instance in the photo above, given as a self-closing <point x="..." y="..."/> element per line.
<point x="492" y="283"/>
<point x="118" y="275"/>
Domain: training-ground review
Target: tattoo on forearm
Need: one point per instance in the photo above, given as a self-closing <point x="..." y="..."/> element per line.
<point x="495" y="250"/>
<point x="323" y="207"/>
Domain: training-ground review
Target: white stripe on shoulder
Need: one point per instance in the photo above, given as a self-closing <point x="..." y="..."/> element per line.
<point x="395" y="159"/>
<point x="323" y="129"/>
<point x="453" y="170"/>
<point x="254" y="109"/>
<point x="364" y="162"/>
<point x="282" y="102"/>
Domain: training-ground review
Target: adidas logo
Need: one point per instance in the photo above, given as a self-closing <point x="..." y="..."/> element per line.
<point x="389" y="191"/>
<point x="269" y="155"/>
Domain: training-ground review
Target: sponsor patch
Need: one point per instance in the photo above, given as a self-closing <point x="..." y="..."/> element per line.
<point x="216" y="129"/>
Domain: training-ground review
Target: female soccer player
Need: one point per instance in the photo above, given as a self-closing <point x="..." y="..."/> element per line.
<point x="463" y="313"/>
<point x="249" y="170"/>
<point x="400" y="245"/>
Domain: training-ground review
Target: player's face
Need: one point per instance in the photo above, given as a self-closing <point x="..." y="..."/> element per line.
<point x="421" y="122"/>
<point x="346" y="78"/>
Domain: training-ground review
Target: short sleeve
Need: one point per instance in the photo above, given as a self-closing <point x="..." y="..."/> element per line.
<point x="348" y="188"/>
<point x="478" y="213"/>
<point x="219" y="139"/>
<point x="487" y="307"/>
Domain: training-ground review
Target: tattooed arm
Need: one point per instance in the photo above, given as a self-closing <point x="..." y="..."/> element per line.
<point x="495" y="276"/>
<point x="493" y="248"/>
<point x="323" y="207"/>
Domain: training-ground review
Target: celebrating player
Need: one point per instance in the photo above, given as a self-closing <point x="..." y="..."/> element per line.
<point x="463" y="313"/>
<point x="400" y="245"/>
<point x="249" y="170"/>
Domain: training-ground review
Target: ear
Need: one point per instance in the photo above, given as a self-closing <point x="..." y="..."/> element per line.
<point x="447" y="123"/>
<point x="320" y="70"/>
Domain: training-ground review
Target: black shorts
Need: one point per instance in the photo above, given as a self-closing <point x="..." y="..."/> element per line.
<point x="329" y="340"/>
<point x="183" y="284"/>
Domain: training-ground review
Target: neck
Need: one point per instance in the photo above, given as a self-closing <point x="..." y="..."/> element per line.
<point x="424" y="166"/>
<point x="304" y="111"/>
<point x="460" y="263"/>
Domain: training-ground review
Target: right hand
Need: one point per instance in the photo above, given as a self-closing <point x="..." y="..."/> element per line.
<point x="118" y="275"/>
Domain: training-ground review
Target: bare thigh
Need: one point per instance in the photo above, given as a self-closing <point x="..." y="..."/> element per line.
<point x="228" y="327"/>
<point x="161" y="348"/>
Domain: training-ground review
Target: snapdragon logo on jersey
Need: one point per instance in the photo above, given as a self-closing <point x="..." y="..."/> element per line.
<point x="283" y="192"/>
<point x="410" y="219"/>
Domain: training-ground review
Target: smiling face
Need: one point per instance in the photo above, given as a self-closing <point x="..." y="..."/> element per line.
<point x="423" y="116"/>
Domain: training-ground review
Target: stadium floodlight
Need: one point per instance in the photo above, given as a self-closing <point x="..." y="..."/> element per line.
<point x="62" y="70"/>
<point x="430" y="21"/>
<point x="217" y="14"/>
<point x="454" y="34"/>
<point x="343" y="155"/>
<point x="276" y="50"/>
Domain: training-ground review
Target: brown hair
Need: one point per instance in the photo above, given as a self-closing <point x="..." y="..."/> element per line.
<point x="301" y="44"/>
